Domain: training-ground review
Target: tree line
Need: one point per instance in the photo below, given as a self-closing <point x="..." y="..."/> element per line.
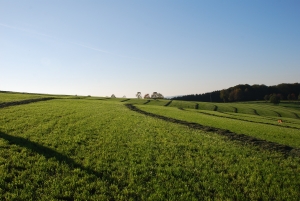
<point x="245" y="92"/>
<point x="155" y="95"/>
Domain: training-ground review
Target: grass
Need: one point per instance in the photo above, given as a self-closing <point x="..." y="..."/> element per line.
<point x="183" y="104"/>
<point x="10" y="96"/>
<point x="288" y="122"/>
<point x="281" y="135"/>
<point x="82" y="149"/>
<point x="290" y="110"/>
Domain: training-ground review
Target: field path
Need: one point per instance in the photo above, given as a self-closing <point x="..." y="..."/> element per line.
<point x="284" y="149"/>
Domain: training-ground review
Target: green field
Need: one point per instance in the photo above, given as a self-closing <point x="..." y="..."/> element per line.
<point x="10" y="96"/>
<point x="92" y="148"/>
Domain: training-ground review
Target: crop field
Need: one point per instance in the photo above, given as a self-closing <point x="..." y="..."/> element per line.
<point x="8" y="96"/>
<point x="98" y="149"/>
<point x="183" y="104"/>
<point x="260" y="119"/>
<point x="261" y="109"/>
<point x="288" y="122"/>
<point x="274" y="133"/>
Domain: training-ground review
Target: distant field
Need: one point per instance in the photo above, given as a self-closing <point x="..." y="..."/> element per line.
<point x="8" y="97"/>
<point x="97" y="149"/>
<point x="259" y="109"/>
<point x="275" y="133"/>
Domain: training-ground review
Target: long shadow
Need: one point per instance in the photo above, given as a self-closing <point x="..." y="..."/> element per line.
<point x="47" y="152"/>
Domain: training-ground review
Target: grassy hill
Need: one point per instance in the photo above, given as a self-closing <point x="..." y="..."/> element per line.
<point x="95" y="148"/>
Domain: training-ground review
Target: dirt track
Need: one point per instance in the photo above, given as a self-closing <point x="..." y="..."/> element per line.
<point x="244" y="139"/>
<point x="21" y="102"/>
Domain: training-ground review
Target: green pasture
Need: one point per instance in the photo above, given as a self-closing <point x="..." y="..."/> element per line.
<point x="288" y="122"/>
<point x="158" y="102"/>
<point x="183" y="104"/>
<point x="259" y="109"/>
<point x="10" y="96"/>
<point x="279" y="134"/>
<point x="97" y="149"/>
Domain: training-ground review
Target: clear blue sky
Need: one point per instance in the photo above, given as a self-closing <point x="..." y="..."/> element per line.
<point x="121" y="47"/>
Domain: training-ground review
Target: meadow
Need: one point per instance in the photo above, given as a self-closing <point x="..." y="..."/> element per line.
<point x="89" y="148"/>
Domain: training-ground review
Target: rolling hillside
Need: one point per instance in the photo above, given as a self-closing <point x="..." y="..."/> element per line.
<point x="94" y="148"/>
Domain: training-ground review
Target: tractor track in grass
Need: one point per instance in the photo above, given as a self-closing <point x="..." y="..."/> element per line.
<point x="249" y="120"/>
<point x="22" y="102"/>
<point x="278" y="114"/>
<point x="244" y="139"/>
<point x="254" y="111"/>
<point x="296" y="115"/>
<point x="125" y="100"/>
<point x="148" y="101"/>
<point x="168" y="103"/>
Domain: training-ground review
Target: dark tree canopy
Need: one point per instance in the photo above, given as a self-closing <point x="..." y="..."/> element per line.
<point x="275" y="99"/>
<point x="245" y="92"/>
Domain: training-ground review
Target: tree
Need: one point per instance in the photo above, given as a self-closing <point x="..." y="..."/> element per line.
<point x="224" y="95"/>
<point x="231" y="96"/>
<point x="139" y="95"/>
<point x="235" y="95"/>
<point x="293" y="97"/>
<point x="147" y="96"/>
<point x="159" y="95"/>
<point x="267" y="97"/>
<point x="274" y="99"/>
<point x="238" y="94"/>
<point x="113" y="96"/>
<point x="156" y="95"/>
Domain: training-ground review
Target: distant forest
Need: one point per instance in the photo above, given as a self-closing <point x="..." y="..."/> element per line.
<point x="247" y="93"/>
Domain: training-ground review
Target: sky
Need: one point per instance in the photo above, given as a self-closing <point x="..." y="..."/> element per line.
<point x="173" y="47"/>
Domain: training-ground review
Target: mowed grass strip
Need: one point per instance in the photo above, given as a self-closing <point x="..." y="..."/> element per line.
<point x="100" y="150"/>
<point x="288" y="122"/>
<point x="259" y="109"/>
<point x="183" y="104"/>
<point x="281" y="135"/>
<point x="265" y="109"/>
<point x="268" y="119"/>
<point x="9" y="96"/>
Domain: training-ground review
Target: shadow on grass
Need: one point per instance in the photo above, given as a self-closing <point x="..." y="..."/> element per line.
<point x="47" y="152"/>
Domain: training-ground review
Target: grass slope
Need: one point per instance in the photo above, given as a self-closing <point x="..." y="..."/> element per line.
<point x="281" y="135"/>
<point x="77" y="149"/>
